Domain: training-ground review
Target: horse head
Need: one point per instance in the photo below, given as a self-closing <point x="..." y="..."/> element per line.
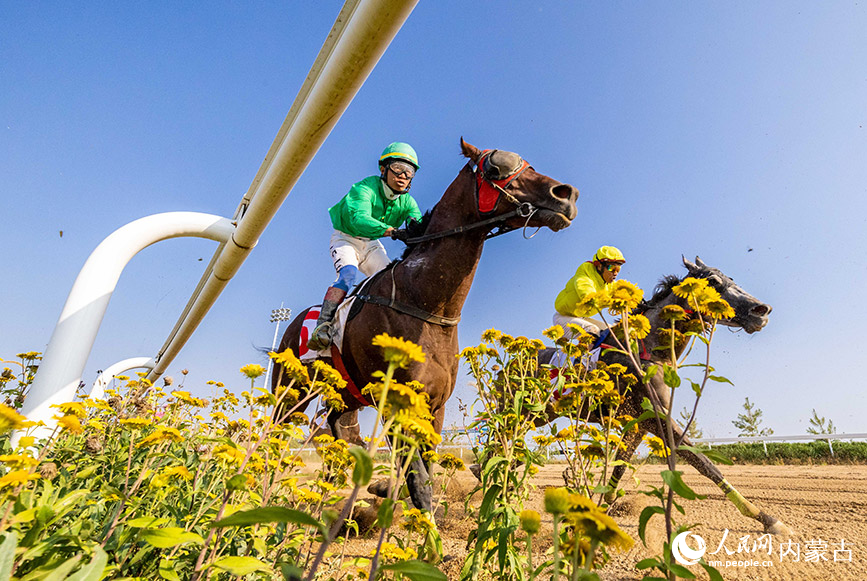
<point x="751" y="314"/>
<point x="506" y="183"/>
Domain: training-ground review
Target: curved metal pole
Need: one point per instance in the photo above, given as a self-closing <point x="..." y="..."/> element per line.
<point x="63" y="363"/>
<point x="98" y="389"/>
<point x="358" y="39"/>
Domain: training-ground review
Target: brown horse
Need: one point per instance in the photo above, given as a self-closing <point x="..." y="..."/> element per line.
<point x="420" y="297"/>
<point x="751" y="315"/>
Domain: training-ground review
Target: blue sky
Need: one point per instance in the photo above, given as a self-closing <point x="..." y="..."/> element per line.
<point x="733" y="131"/>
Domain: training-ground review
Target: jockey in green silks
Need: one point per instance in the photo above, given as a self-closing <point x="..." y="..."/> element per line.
<point x="592" y="276"/>
<point x="372" y="209"/>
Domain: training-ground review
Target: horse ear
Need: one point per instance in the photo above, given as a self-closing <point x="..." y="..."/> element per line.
<point x="699" y="261"/>
<point x="470" y="151"/>
<point x="689" y="266"/>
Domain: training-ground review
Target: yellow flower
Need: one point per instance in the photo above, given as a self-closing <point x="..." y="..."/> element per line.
<point x="26" y="441"/>
<point x="135" y="423"/>
<point x="70" y="423"/>
<point x="688" y="286"/>
<point x="597" y="525"/>
<point x="451" y="462"/>
<point x="219" y="416"/>
<point x="391" y="553"/>
<point x="16" y="477"/>
<point x="414" y="520"/>
<point x="639" y="326"/>
<point x="673" y="313"/>
<point x="253" y="370"/>
<point x="292" y="366"/>
<point x="161" y="434"/>
<point x="185" y="397"/>
<point x="400" y="397"/>
<point x="10" y="419"/>
<point x="328" y="374"/>
<point x="625" y="296"/>
<point x="229" y="454"/>
<point x="398" y="351"/>
<point x="656" y="445"/>
<point x="557" y="500"/>
<point x="95" y="424"/>
<point x="491" y="335"/>
<point x="554" y="332"/>
<point x="72" y="407"/>
<point x="719" y="309"/>
<point x="308" y="496"/>
<point x="178" y="472"/>
<point x="18" y="461"/>
<point x="592" y="304"/>
<point x="531" y="521"/>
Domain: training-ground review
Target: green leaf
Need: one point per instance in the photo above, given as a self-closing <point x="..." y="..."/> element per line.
<point x="167" y="570"/>
<point x="716" y="457"/>
<point x="60" y="572"/>
<point x="236" y="482"/>
<point x="7" y="555"/>
<point x="712" y="572"/>
<point x="268" y="514"/>
<point x="150" y="522"/>
<point x="92" y="571"/>
<point x="240" y="565"/>
<point x="363" y="471"/>
<point x="385" y="514"/>
<point x="696" y="388"/>
<point x="648" y="512"/>
<point x="416" y="570"/>
<point x="670" y="376"/>
<point x="646" y="563"/>
<point x="291" y="572"/>
<point x="170" y="537"/>
<point x="681" y="571"/>
<point x="674" y="480"/>
<point x="720" y="379"/>
<point x="649" y="373"/>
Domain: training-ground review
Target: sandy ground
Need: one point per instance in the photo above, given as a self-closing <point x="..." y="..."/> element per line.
<point x="826" y="506"/>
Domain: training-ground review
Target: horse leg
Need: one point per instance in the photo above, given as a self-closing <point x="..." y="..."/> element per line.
<point x="630" y="443"/>
<point x="418" y="482"/>
<point x="707" y="468"/>
<point x="345" y="427"/>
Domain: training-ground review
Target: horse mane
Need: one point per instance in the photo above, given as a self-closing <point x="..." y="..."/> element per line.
<point x="660" y="292"/>
<point x="415" y="229"/>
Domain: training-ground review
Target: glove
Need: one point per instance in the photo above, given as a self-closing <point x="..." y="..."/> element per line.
<point x="401" y="235"/>
<point x="601" y="339"/>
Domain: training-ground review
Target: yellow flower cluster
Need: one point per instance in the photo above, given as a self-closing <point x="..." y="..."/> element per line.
<point x="391" y="553"/>
<point x="399" y="351"/>
<point x="293" y="369"/>
<point x="159" y="435"/>
<point x="704" y="298"/>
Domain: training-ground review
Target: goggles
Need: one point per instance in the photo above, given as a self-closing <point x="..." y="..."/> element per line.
<point x="612" y="267"/>
<point x="401" y="169"/>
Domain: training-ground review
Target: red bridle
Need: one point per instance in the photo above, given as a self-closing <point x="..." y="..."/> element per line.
<point x="488" y="190"/>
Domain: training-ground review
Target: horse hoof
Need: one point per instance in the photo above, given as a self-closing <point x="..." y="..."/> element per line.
<point x="780" y="529"/>
<point x="476" y="469"/>
<point x="379" y="488"/>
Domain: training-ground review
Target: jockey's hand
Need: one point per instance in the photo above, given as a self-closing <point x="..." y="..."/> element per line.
<point x="389" y="232"/>
<point x="401" y="235"/>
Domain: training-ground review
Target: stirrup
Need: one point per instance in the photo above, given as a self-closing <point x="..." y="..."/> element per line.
<point x="321" y="337"/>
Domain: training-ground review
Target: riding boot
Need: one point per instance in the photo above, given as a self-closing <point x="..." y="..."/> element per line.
<point x="321" y="336"/>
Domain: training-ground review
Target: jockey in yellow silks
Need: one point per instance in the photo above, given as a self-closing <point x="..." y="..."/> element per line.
<point x="592" y="276"/>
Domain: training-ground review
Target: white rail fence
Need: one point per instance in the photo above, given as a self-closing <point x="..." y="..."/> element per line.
<point x="362" y="32"/>
<point x="829" y="438"/>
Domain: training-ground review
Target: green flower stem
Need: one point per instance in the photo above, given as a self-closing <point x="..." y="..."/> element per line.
<point x="556" y="547"/>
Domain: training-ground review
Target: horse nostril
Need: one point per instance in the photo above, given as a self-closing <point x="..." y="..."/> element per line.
<point x="761" y="310"/>
<point x="564" y="192"/>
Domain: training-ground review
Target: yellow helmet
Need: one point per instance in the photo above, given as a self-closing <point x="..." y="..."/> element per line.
<point x="609" y="254"/>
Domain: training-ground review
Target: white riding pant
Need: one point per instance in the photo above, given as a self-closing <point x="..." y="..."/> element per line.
<point x="593" y="326"/>
<point x="366" y="255"/>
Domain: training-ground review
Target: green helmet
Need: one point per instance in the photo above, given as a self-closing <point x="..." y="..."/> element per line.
<point x="609" y="254"/>
<point x="399" y="150"/>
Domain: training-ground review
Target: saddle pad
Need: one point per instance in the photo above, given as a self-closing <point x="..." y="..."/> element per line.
<point x="309" y="324"/>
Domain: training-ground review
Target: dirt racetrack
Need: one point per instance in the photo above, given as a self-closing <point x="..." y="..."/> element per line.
<point x="825" y="505"/>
